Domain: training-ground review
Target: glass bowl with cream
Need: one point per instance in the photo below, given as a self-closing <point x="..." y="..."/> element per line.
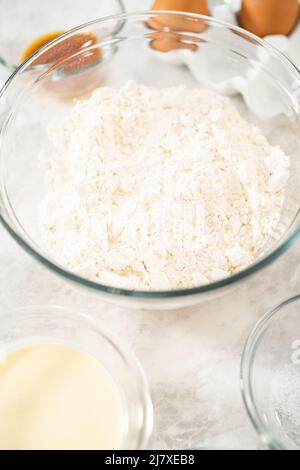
<point x="66" y="384"/>
<point x="53" y="125"/>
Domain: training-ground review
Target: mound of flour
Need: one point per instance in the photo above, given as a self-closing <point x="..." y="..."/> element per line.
<point x="159" y="188"/>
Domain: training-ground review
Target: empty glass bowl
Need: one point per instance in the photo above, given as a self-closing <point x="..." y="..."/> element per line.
<point x="270" y="376"/>
<point x="24" y="22"/>
<point x="126" y="47"/>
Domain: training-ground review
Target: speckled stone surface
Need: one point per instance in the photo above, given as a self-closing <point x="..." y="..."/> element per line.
<point x="191" y="357"/>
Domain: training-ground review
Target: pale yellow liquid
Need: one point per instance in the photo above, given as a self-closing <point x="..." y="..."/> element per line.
<point x="53" y="396"/>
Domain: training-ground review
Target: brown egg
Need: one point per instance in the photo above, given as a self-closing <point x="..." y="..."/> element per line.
<point x="190" y="6"/>
<point x="180" y="23"/>
<point x="264" y="17"/>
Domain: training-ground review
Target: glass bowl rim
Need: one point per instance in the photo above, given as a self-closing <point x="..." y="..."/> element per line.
<point x="246" y="368"/>
<point x="131" y="362"/>
<point x="149" y="294"/>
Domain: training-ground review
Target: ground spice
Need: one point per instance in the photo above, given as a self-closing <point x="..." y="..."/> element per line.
<point x="72" y="47"/>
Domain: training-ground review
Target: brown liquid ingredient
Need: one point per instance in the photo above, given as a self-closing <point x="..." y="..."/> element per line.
<point x="264" y="17"/>
<point x="177" y="23"/>
<point x="74" y="46"/>
<point x="40" y="42"/>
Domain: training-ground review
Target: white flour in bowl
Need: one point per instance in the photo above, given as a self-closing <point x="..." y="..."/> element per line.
<point x="159" y="188"/>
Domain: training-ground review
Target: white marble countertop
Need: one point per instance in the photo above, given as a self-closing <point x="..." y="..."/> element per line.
<point x="191" y="357"/>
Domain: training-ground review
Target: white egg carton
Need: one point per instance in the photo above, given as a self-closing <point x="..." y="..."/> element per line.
<point x="260" y="98"/>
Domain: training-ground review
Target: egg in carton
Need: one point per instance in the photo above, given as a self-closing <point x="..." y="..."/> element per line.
<point x="259" y="18"/>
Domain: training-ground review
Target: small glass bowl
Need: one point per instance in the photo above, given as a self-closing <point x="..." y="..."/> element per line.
<point x="24" y="22"/>
<point x="270" y="376"/>
<point x="56" y="324"/>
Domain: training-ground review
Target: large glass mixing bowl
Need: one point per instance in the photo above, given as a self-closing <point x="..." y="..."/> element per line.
<point x="219" y="56"/>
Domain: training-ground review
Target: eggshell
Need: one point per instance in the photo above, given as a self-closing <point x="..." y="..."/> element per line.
<point x="294" y="48"/>
<point x="235" y="5"/>
<point x="224" y="13"/>
<point x="281" y="42"/>
<point x="268" y="17"/>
